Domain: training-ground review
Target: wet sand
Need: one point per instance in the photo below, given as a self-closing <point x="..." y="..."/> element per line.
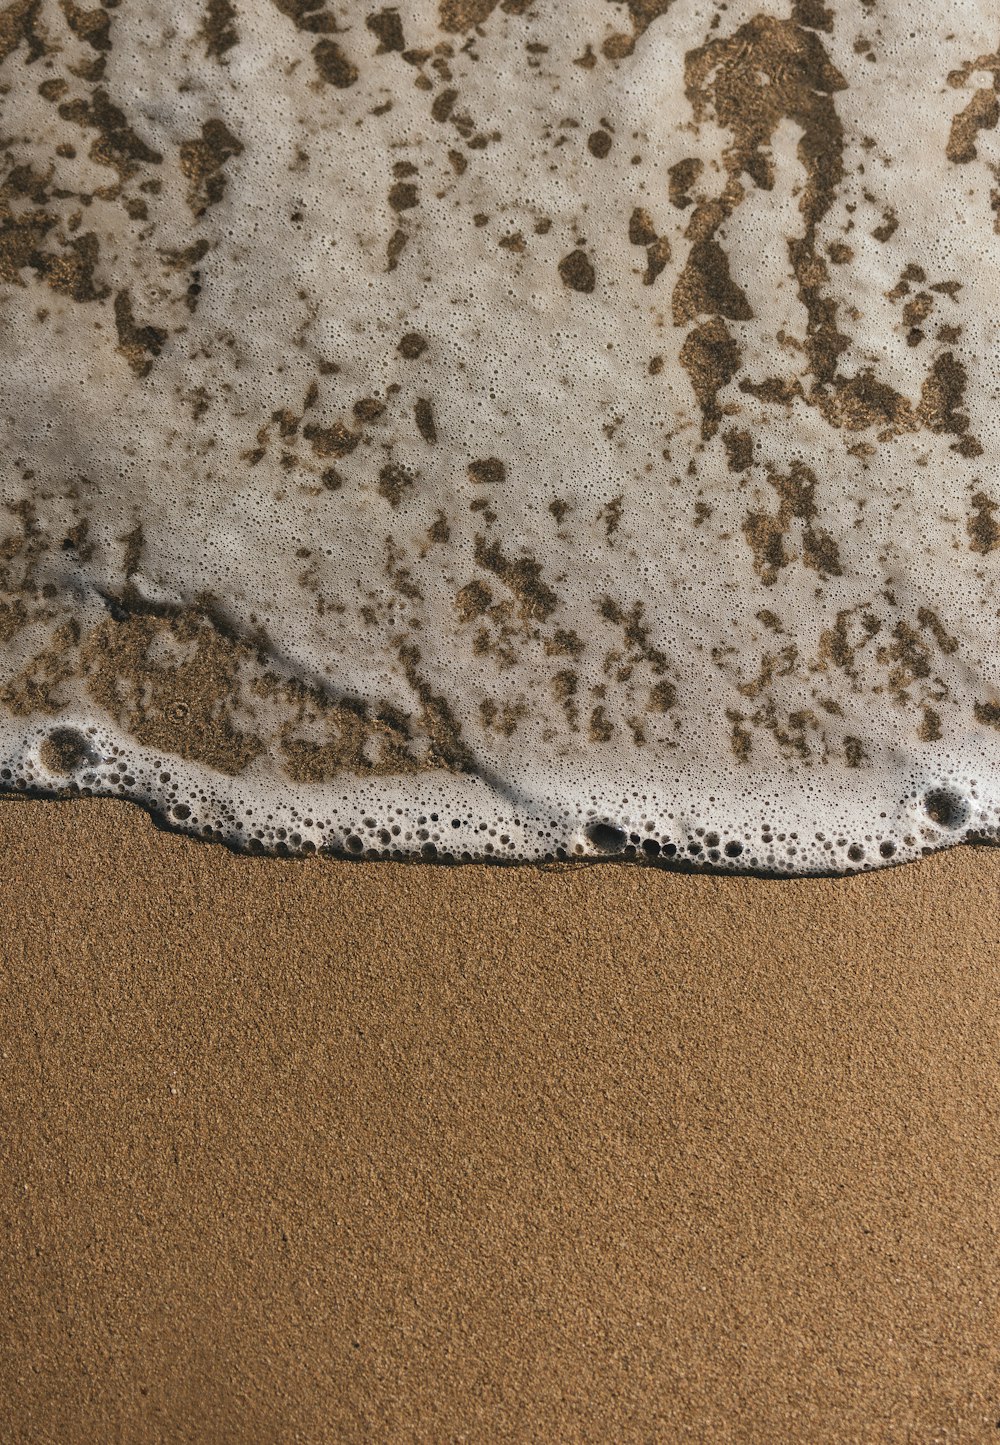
<point x="316" y="1151"/>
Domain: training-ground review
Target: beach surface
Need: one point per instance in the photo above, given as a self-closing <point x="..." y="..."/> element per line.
<point x="310" y="1151"/>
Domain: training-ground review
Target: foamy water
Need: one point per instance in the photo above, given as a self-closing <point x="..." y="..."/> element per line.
<point x="506" y="430"/>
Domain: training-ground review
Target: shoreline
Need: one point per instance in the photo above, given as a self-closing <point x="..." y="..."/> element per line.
<point x="631" y="858"/>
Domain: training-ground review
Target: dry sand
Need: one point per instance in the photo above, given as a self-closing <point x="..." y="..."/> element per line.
<point x="368" y="1152"/>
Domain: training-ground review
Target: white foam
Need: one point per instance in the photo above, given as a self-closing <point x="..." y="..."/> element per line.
<point x="588" y="639"/>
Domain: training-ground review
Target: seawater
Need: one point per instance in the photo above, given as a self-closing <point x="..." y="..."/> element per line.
<point x="505" y="430"/>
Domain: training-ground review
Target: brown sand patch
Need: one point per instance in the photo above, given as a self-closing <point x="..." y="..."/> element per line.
<point x="326" y="1151"/>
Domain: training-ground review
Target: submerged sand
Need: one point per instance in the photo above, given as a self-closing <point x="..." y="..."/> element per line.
<point x="493" y="426"/>
<point x="330" y="1151"/>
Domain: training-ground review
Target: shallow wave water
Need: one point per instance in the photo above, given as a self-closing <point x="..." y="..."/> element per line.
<point x="504" y="430"/>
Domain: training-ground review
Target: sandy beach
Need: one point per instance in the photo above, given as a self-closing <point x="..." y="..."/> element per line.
<point x="494" y="432"/>
<point x="327" y="1151"/>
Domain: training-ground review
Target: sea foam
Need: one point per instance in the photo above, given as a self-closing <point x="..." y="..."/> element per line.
<point x="505" y="430"/>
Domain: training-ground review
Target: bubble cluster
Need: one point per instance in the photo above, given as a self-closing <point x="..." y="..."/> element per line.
<point x="467" y="430"/>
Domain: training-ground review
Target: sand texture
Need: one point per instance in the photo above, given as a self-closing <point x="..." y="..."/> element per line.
<point x="325" y="1151"/>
